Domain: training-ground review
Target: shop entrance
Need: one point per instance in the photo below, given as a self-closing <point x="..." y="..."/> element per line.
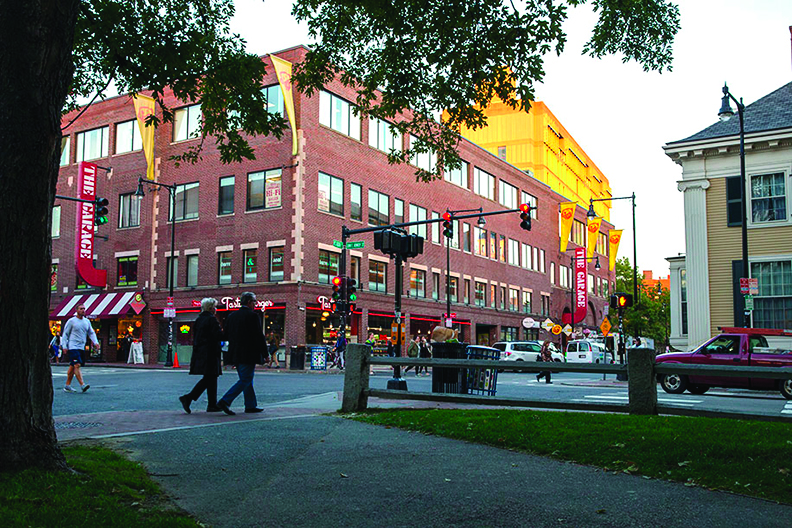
<point x="485" y="334"/>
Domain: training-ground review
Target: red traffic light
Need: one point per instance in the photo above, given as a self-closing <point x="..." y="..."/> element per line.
<point x="525" y="208"/>
<point x="447" y="216"/>
<point x="622" y="301"/>
<point x="337" y="281"/>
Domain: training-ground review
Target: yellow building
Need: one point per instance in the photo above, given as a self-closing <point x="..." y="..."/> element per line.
<point x="538" y="144"/>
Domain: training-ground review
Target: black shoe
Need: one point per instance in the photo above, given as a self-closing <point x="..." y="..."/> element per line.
<point x="213" y="408"/>
<point x="224" y="407"/>
<point x="185" y="401"/>
<point x="549" y="382"/>
<point x="538" y="377"/>
<point x="254" y="410"/>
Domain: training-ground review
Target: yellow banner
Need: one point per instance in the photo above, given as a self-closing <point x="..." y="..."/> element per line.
<point x="567" y="216"/>
<point x="593" y="231"/>
<point x="283" y="70"/>
<point x="144" y="107"/>
<point x="614" y="237"/>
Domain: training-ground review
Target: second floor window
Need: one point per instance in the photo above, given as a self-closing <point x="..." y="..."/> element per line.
<point x="377" y="276"/>
<point x="398" y="211"/>
<point x="171" y="271"/>
<point x="264" y="189"/>
<point x="93" y="144"/>
<point x="480" y="294"/>
<point x="192" y="270"/>
<point x="379" y="205"/>
<point x="128" y="137"/>
<point x="338" y="114"/>
<point x="224" y="267"/>
<point x="128" y="210"/>
<point x="454" y="289"/>
<point x="355" y="201"/>
<point x="514" y="252"/>
<point x="527" y="302"/>
<point x="65" y="150"/>
<point x="276" y="264"/>
<point x="127" y="271"/>
<point x="186" y="122"/>
<point x="768" y="198"/>
<point x="225" y="199"/>
<point x="417" y="283"/>
<point x="328" y="266"/>
<point x="331" y="194"/>
<point x="56" y="221"/>
<point x="251" y="265"/>
<point x="186" y="202"/>
<point x="479" y="241"/>
<point x="458" y="176"/>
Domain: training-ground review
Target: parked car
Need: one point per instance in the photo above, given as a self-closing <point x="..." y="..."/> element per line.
<point x="736" y="347"/>
<point x="524" y="351"/>
<point x="584" y="351"/>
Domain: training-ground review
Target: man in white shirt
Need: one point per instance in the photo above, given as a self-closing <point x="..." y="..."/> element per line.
<point x="76" y="332"/>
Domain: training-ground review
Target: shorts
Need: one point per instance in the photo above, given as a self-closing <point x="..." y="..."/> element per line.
<point x="75" y="357"/>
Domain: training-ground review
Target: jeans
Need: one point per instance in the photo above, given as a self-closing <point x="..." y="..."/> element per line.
<point x="208" y="383"/>
<point x="244" y="385"/>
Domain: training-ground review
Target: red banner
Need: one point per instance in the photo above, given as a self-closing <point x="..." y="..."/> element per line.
<point x="84" y="241"/>
<point x="581" y="292"/>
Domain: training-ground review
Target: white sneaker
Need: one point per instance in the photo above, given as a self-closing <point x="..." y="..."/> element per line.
<point x="68" y="388"/>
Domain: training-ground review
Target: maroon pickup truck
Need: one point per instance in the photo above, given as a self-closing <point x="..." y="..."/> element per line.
<point x="744" y="347"/>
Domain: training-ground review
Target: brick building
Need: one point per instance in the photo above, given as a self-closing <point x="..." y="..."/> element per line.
<point x="268" y="226"/>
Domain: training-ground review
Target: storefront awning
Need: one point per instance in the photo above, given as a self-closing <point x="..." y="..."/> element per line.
<point x="100" y="305"/>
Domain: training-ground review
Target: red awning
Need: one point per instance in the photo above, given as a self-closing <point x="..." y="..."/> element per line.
<point x="100" y="305"/>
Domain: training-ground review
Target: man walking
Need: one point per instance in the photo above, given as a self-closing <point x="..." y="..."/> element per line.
<point x="246" y="348"/>
<point x="76" y="332"/>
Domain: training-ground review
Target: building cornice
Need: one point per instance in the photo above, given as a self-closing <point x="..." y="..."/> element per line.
<point x="728" y="145"/>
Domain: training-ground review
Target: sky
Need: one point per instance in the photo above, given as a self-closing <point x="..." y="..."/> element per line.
<point x="619" y="114"/>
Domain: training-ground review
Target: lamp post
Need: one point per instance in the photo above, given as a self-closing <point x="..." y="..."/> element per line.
<point x="592" y="214"/>
<point x="172" y="278"/>
<point x="724" y="114"/>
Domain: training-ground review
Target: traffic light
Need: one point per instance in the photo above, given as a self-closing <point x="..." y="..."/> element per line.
<point x="351" y="288"/>
<point x="337" y="286"/>
<point x="621" y="300"/>
<point x="448" y="225"/>
<point x="100" y="211"/>
<point x="525" y="216"/>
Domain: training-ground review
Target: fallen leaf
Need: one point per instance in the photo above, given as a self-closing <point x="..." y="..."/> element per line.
<point x="601" y="511"/>
<point x="783" y="471"/>
<point x="448" y="480"/>
<point x="344" y="475"/>
<point x="685" y="463"/>
<point x="632" y="468"/>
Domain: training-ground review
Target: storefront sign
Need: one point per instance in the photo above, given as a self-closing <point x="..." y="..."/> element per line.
<point x="272" y="193"/>
<point x="84" y="241"/>
<point x="581" y="294"/>
<point x="233" y="303"/>
<point x="325" y="303"/>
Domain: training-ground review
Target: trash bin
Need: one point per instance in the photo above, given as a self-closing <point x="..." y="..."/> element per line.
<point x="318" y="357"/>
<point x="451" y="380"/>
<point x="297" y="358"/>
<point x="482" y="381"/>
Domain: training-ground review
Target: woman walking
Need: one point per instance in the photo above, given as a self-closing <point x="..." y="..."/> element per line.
<point x="546" y="357"/>
<point x="205" y="362"/>
<point x="424" y="352"/>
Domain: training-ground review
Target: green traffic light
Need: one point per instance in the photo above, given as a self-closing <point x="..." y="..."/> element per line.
<point x="352" y="297"/>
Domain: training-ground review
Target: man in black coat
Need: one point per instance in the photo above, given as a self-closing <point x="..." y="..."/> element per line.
<point x="246" y="348"/>
<point x="207" y="335"/>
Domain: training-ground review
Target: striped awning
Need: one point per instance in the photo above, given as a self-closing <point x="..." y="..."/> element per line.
<point x="100" y="305"/>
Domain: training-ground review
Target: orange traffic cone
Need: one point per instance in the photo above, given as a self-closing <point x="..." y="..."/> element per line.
<point x="175" y="359"/>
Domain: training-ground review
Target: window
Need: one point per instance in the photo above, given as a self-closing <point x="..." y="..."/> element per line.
<point x="435" y="286"/>
<point x="467" y="291"/>
<point x="602" y="244"/>
<point x="264" y="190"/>
<point x="423" y="160"/>
<point x="65" y="150"/>
<point x="93" y="144"/>
<point x="466" y="237"/>
<point x="526" y="256"/>
<point x="56" y="221"/>
<point x="773" y="305"/>
<point x="502" y="248"/>
<point x="377" y="276"/>
<point x="128" y="137"/>
<point x="578" y="233"/>
<point x="455" y="229"/>
<point x="384" y="136"/>
<point x="503" y="297"/>
<point x="127" y="271"/>
<point x="493" y="246"/>
<point x="535" y="262"/>
<point x="192" y="271"/>
<point x="417" y="283"/>
<point x="545" y="305"/>
<point x="250" y="266"/>
<point x="128" y="210"/>
<point x="338" y="114"/>
<point x="454" y="289"/>
<point x="398" y="211"/>
<point x="605" y="292"/>
<point x="483" y="183"/>
<point x="508" y="195"/>
<point x="531" y="200"/>
<point x="435" y="227"/>
<point x="502" y="153"/>
<point x="417" y="214"/>
<point x="458" y="176"/>
<point x="480" y="294"/>
<point x="224" y="267"/>
<point x="552" y="273"/>
<point x="328" y="266"/>
<point x="527" y="302"/>
<point x="276" y="264"/>
<point x="378" y="205"/>
<point x="768" y="198"/>
<point x="331" y="194"/>
<point x="493" y="295"/>
<point x="542" y="261"/>
<point x="225" y="200"/>
<point x="514" y="300"/>
<point x="355" y="202"/>
<point x="683" y="299"/>
<point x="54" y="277"/>
<point x="733" y="202"/>
<point x="591" y="285"/>
<point x="186" y="122"/>
<point x="186" y="202"/>
<point x="355" y="270"/>
<point x="479" y="241"/>
<point x="274" y="97"/>
<point x="171" y="271"/>
<point x="564" y="277"/>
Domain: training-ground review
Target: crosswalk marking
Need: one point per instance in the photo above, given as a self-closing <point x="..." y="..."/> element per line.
<point x="787" y="408"/>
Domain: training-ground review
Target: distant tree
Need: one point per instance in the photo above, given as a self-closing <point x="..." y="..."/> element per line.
<point x="650" y="315"/>
<point x="415" y="56"/>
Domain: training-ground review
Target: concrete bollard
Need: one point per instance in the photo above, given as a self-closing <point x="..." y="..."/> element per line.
<point x="643" y="384"/>
<point x="356" y="378"/>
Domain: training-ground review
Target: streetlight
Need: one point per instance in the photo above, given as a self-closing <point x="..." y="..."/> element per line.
<point x="172" y="279"/>
<point x="592" y="214"/>
<point x="724" y="114"/>
<point x="480" y="222"/>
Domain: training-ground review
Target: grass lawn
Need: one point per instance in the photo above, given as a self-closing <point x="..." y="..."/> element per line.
<point x="751" y="458"/>
<point x="105" y="490"/>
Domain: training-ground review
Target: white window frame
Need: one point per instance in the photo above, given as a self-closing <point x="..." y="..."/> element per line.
<point x="103" y="139"/>
<point x="483" y="183"/>
<point x="423" y="160"/>
<point x="186" y="123"/>
<point x="507" y="194"/>
<point x="339" y="114"/>
<point x="787" y="179"/>
<point x="459" y="176"/>
<point x="128" y="140"/>
<point x="384" y="136"/>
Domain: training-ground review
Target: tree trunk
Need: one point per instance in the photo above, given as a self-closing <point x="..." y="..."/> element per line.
<point x="36" y="41"/>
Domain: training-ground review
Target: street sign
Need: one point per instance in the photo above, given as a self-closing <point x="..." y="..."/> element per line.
<point x="749" y="302"/>
<point x="528" y="322"/>
<point x="548" y="325"/>
<point x="749" y="286"/>
<point x="449" y="322"/>
<point x="169" y="302"/>
<point x="567" y="330"/>
<point x="355" y="245"/>
<point x="338" y="244"/>
<point x="605" y="326"/>
<point x="169" y="313"/>
<point x="556" y="329"/>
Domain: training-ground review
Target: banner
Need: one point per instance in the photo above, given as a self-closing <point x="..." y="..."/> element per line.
<point x="283" y="70"/>
<point x="614" y="237"/>
<point x="580" y="288"/>
<point x="84" y="241"/>
<point x="144" y="107"/>
<point x="593" y="232"/>
<point x="567" y="217"/>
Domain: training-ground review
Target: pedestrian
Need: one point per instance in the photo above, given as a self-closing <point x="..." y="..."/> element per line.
<point x="246" y="348"/>
<point x="424" y="352"/>
<point x="272" y="349"/>
<point x="412" y="351"/>
<point x="55" y="348"/>
<point x="372" y="342"/>
<point x="545" y="355"/>
<point x="338" y="352"/>
<point x="206" y="357"/>
<point x="77" y="331"/>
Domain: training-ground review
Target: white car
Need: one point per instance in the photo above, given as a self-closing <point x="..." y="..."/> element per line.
<point x="524" y="351"/>
<point x="584" y="351"/>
